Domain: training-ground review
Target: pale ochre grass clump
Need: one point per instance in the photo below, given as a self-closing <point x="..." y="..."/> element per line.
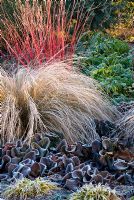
<point x="52" y="98"/>
<point x="25" y="188"/>
<point x="92" y="192"/>
<point x="126" y="125"/>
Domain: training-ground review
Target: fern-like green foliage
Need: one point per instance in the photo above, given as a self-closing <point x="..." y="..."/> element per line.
<point x="26" y="188"/>
<point x="91" y="192"/>
<point x="110" y="61"/>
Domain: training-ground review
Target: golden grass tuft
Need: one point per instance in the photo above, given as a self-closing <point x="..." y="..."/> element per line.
<point x="25" y="188"/>
<point x="91" y="192"/>
<point x="52" y="98"/>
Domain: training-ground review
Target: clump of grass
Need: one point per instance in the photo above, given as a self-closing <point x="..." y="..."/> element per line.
<point x="126" y="123"/>
<point x="26" y="188"/>
<point x="2" y="90"/>
<point x="98" y="192"/>
<point x="53" y="98"/>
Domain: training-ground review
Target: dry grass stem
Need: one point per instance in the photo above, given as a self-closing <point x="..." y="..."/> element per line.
<point x="126" y="125"/>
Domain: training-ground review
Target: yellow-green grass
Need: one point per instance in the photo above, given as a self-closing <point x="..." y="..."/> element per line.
<point x="92" y="192"/>
<point x="25" y="188"/>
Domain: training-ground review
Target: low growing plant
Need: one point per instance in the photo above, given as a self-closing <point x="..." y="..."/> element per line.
<point x="25" y="188"/>
<point x="110" y="61"/>
<point x="98" y="192"/>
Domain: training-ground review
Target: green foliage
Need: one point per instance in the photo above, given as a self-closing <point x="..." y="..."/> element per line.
<point x="126" y="11"/>
<point x="109" y="61"/>
<point x="103" y="13"/>
<point x="124" y="28"/>
<point x="91" y="192"/>
<point x="26" y="188"/>
<point x="7" y="7"/>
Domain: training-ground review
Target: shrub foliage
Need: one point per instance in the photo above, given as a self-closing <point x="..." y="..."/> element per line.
<point x="110" y="61"/>
<point x="124" y="28"/>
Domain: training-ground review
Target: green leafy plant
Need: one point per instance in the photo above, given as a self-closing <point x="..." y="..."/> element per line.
<point x="109" y="61"/>
<point x="124" y="28"/>
<point x="98" y="192"/>
<point x="102" y="16"/>
<point x="26" y="188"/>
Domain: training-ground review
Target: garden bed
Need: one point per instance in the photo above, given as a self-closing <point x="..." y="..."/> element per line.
<point x="105" y="161"/>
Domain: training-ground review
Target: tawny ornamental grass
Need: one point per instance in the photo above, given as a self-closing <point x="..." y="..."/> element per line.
<point x="126" y="125"/>
<point x="52" y="98"/>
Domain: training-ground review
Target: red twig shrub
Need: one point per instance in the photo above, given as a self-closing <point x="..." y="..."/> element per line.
<point x="45" y="31"/>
